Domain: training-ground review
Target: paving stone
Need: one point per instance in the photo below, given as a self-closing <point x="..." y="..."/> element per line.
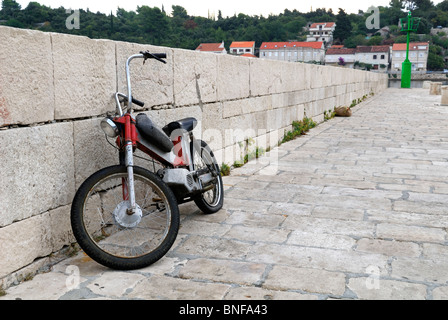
<point x="440" y="293"/>
<point x="410" y="233"/>
<point x="115" y="284"/>
<point x="241" y="273"/>
<point x="167" y="288"/>
<point x="430" y="270"/>
<point x="253" y="293"/>
<point x="307" y="280"/>
<point x="389" y="248"/>
<point x="380" y="289"/>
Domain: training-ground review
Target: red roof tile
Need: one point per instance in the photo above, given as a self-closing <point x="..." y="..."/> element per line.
<point x="324" y="24"/>
<point x="290" y="44"/>
<point x="372" y="49"/>
<point x="339" y="51"/>
<point x="213" y="47"/>
<point x="242" y="44"/>
<point x="412" y="46"/>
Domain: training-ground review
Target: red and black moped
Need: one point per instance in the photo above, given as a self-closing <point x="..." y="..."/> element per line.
<point x="126" y="216"/>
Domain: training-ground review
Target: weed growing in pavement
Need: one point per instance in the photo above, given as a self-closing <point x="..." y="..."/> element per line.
<point x="299" y="128"/>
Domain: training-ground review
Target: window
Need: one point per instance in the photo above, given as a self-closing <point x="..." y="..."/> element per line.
<point x="421" y="54"/>
<point x="375" y="57"/>
<point x="383" y="57"/>
<point x="247" y="50"/>
<point x="397" y="55"/>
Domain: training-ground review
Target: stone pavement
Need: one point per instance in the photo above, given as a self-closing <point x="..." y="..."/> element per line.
<point x="356" y="209"/>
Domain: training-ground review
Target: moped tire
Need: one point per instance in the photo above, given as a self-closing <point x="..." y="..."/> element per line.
<point x="213" y="200"/>
<point x="106" y="230"/>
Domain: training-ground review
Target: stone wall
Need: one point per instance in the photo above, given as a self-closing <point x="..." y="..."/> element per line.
<point x="55" y="88"/>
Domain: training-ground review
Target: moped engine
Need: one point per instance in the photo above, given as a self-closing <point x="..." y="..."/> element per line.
<point x="184" y="182"/>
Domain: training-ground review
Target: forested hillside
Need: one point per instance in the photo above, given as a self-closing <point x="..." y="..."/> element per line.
<point x="174" y="27"/>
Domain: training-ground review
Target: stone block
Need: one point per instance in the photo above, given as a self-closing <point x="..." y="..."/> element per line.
<point x="38" y="170"/>
<point x="152" y="83"/>
<point x="26" y="82"/>
<point x="435" y="88"/>
<point x="23" y="242"/>
<point x="444" y="92"/>
<point x="92" y="152"/>
<point x="84" y="76"/>
<point x="260" y="77"/>
<point x="195" y="77"/>
<point x="233" y="77"/>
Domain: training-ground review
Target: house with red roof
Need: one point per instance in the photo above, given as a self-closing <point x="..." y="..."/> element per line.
<point x="212" y="47"/>
<point x="321" y="31"/>
<point x="418" y="55"/>
<point x="343" y="57"/>
<point x="376" y="56"/>
<point x="293" y="51"/>
<point x="242" y="47"/>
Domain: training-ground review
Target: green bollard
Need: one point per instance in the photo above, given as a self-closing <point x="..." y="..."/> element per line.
<point x="406" y="74"/>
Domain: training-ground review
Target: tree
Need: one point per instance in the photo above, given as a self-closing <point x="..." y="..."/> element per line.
<point x="10" y="9"/>
<point x="375" y="41"/>
<point x="343" y="26"/>
<point x="153" y="24"/>
<point x="435" y="60"/>
<point x="35" y="13"/>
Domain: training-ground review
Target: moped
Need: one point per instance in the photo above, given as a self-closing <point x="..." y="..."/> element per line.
<point x="126" y="217"/>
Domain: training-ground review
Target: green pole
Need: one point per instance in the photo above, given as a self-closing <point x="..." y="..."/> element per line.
<point x="406" y="69"/>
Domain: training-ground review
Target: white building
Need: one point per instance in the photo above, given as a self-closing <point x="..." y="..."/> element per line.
<point x="242" y="47"/>
<point x="322" y="31"/>
<point x="377" y="56"/>
<point x="342" y="57"/>
<point x="418" y="56"/>
<point x="293" y="51"/>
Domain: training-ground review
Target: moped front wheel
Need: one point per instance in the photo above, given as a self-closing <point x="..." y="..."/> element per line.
<point x="112" y="234"/>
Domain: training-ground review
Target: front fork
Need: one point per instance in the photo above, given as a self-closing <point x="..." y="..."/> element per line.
<point x="127" y="159"/>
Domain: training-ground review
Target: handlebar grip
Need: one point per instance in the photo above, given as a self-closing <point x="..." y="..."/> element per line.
<point x="157" y="56"/>
<point x="138" y="102"/>
<point x="160" y="55"/>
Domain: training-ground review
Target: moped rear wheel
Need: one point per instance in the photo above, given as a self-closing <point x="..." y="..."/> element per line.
<point x="212" y="200"/>
<point x="107" y="230"/>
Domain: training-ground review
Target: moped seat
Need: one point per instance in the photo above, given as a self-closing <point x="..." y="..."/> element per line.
<point x="152" y="133"/>
<point x="187" y="124"/>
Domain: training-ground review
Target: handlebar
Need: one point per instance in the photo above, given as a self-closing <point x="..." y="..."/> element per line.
<point x="157" y="56"/>
<point x="129" y="99"/>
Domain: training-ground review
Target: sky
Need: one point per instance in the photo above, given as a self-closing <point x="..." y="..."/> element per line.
<point x="227" y="7"/>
